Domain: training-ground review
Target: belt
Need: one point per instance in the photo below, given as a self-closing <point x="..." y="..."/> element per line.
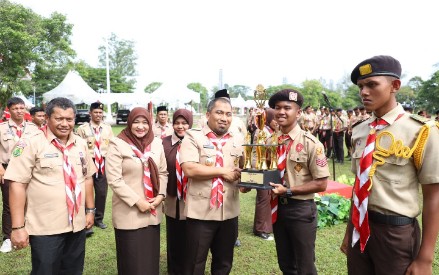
<point x="5" y="165"/>
<point x="389" y="219"/>
<point x="286" y="201"/>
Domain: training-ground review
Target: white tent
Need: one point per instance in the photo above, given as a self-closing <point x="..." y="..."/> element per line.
<point x="175" y="95"/>
<point x="74" y="88"/>
<point x="126" y="99"/>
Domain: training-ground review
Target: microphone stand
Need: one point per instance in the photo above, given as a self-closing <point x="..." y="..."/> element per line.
<point x="331" y="134"/>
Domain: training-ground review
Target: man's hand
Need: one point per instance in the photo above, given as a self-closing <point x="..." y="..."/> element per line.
<point x="156" y="201"/>
<point x="19" y="238"/>
<point x="344" y="244"/>
<point x="420" y="267"/>
<point x="89" y="220"/>
<point x="231" y="175"/>
<point x="143" y="205"/>
<point x="2" y="173"/>
<point x="278" y="189"/>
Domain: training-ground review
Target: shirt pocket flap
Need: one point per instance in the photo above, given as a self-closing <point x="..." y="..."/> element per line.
<point x="50" y="162"/>
<point x="297" y="157"/>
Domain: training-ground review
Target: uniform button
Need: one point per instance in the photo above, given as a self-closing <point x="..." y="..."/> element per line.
<point x="199" y="193"/>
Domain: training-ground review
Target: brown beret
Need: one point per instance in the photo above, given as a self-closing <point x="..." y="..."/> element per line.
<point x="286" y="95"/>
<point x="186" y="114"/>
<point x="377" y="65"/>
<point x="96" y="105"/>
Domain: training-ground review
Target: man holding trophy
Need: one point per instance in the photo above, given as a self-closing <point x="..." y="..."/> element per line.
<point x="303" y="169"/>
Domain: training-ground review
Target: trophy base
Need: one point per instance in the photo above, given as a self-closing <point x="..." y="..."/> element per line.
<point x="259" y="179"/>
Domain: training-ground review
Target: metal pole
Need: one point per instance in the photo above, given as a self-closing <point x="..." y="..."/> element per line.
<point x="109" y="117"/>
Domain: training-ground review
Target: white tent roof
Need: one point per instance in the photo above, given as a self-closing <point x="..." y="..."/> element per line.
<point x="74" y="88"/>
<point x="238" y="102"/>
<point x="175" y="95"/>
<point x="126" y="99"/>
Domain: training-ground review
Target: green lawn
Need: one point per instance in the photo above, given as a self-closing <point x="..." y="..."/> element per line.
<point x="255" y="256"/>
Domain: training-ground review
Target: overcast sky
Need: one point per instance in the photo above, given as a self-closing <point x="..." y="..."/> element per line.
<point x="254" y="41"/>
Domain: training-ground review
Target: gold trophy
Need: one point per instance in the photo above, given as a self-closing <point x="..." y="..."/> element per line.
<point x="260" y="174"/>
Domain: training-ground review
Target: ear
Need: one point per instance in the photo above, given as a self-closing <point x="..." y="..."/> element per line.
<point x="396" y="85"/>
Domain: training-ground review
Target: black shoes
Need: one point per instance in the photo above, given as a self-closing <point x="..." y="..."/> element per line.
<point x="264" y="236"/>
<point x="101" y="225"/>
<point x="89" y="232"/>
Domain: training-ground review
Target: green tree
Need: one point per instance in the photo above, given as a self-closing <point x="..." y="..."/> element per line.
<point x="31" y="48"/>
<point x="199" y="88"/>
<point x="151" y="87"/>
<point x="122" y="59"/>
<point x="428" y="97"/>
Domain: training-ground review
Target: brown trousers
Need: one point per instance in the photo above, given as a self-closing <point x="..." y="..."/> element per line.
<point x="262" y="221"/>
<point x="389" y="250"/>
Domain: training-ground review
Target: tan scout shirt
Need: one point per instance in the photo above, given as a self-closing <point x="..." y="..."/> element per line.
<point x="396" y="183"/>
<point x="125" y="177"/>
<point x="157" y="129"/>
<point x="86" y="131"/>
<point x="306" y="161"/>
<point x="8" y="137"/>
<point x="196" y="147"/>
<point x="309" y="121"/>
<point x="39" y="164"/>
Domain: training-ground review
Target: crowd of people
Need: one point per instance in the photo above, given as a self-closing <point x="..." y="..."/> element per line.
<point x="54" y="182"/>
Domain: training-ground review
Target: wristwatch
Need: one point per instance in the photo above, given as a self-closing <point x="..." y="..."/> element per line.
<point x="90" y="210"/>
<point x="289" y="193"/>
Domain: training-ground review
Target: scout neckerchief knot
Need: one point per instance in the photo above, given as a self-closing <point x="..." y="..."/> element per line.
<point x="163" y="133"/>
<point x="363" y="184"/>
<point x="73" y="188"/>
<point x="147" y="183"/>
<point x="99" y="160"/>
<point x="282" y="152"/>
<point x="19" y="129"/>
<point x="181" y="178"/>
<point x="216" y="194"/>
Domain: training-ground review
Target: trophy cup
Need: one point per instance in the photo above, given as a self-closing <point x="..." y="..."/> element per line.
<point x="257" y="174"/>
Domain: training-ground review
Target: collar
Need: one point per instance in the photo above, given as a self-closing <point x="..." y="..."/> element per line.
<point x="94" y="125"/>
<point x="207" y="130"/>
<point x="174" y="139"/>
<point x="294" y="132"/>
<point x="13" y="124"/>
<point x="391" y="116"/>
<point x="50" y="136"/>
<point x="159" y="125"/>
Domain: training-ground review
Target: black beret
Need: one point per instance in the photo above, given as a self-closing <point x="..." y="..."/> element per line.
<point x="162" y="108"/>
<point x="356" y="108"/>
<point x="350" y="111"/>
<point x="377" y="65"/>
<point x="339" y="109"/>
<point x="286" y="95"/>
<point x="222" y="93"/>
<point x="96" y="105"/>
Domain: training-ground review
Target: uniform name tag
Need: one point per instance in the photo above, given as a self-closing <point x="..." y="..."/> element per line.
<point x="208" y="146"/>
<point x="53" y="155"/>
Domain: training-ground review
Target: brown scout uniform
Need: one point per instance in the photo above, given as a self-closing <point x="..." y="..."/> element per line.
<point x="309" y="121"/>
<point x="157" y="129"/>
<point x="85" y="131"/>
<point x="196" y="147"/>
<point x="39" y="164"/>
<point x="125" y="177"/>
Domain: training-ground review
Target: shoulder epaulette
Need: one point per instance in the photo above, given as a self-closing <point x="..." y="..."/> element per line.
<point x="420" y="119"/>
<point x="311" y="137"/>
<point x="358" y="122"/>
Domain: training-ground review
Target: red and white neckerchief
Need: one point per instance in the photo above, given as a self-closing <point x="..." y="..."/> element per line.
<point x="181" y="178"/>
<point x="19" y="129"/>
<point x="73" y="188"/>
<point x="363" y="184"/>
<point x="268" y="129"/>
<point x="97" y="153"/>
<point x="282" y="153"/>
<point x="147" y="183"/>
<point x="216" y="194"/>
<point x="163" y="133"/>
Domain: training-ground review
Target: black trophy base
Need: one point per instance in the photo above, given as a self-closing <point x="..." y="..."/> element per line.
<point x="259" y="179"/>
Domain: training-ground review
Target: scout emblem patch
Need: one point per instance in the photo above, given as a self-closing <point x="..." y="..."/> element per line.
<point x="299" y="147"/>
<point x="292" y="96"/>
<point x="298" y="167"/>
<point x="319" y="151"/>
<point x="365" y="69"/>
<point x="209" y="161"/>
<point x="18" y="150"/>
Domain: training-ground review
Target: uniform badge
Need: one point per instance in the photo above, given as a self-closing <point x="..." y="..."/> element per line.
<point x="292" y="96"/>
<point x="298" y="167"/>
<point x="358" y="142"/>
<point x="18" y="150"/>
<point x="319" y="151"/>
<point x="299" y="147"/>
<point x="209" y="161"/>
<point x="321" y="162"/>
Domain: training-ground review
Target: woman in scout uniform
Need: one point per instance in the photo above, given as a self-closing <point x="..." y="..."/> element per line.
<point x="394" y="153"/>
<point x="176" y="192"/>
<point x="136" y="172"/>
<point x="304" y="172"/>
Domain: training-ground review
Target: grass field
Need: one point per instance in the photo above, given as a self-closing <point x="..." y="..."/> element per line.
<point x="255" y="256"/>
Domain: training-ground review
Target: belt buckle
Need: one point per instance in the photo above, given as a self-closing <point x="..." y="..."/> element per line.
<point x="283" y="200"/>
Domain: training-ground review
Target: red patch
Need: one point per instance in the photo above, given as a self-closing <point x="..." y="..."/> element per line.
<point x="299" y="147"/>
<point x="321" y="162"/>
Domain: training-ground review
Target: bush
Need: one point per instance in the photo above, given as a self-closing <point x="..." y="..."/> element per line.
<point x="333" y="209"/>
<point x="346" y="180"/>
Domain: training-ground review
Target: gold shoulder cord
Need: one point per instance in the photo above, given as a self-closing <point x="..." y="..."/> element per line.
<point x="398" y="149"/>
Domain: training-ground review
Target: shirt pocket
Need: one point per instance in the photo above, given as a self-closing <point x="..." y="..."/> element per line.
<point x="51" y="170"/>
<point x="399" y="169"/>
<point x="299" y="163"/>
<point x="208" y="157"/>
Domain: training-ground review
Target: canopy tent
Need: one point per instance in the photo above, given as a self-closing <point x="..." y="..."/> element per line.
<point x="74" y="88"/>
<point x="174" y="95"/>
<point x="126" y="99"/>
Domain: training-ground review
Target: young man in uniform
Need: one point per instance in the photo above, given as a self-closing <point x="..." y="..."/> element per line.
<point x="51" y="193"/>
<point x="38" y="116"/>
<point x="10" y="133"/>
<point x="304" y="171"/>
<point x="210" y="158"/>
<point x="394" y="153"/>
<point x="98" y="135"/>
<point x="161" y="127"/>
<point x="340" y="126"/>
